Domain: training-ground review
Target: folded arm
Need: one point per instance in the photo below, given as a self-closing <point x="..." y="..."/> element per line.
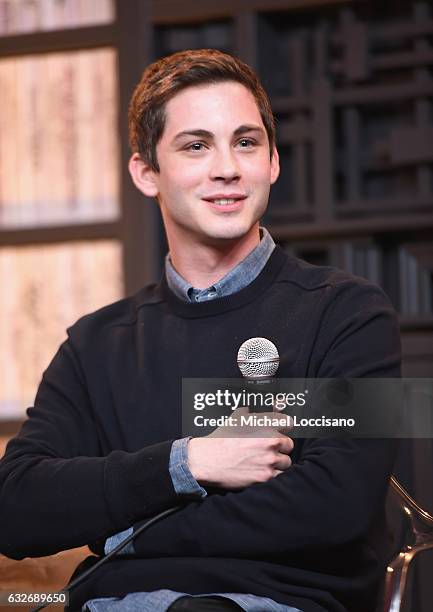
<point x="56" y="490"/>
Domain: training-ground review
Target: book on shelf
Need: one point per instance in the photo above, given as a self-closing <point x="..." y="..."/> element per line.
<point x="48" y="288"/>
<point x="59" y="152"/>
<point x="416" y="285"/>
<point x="363" y="260"/>
<point x="21" y="16"/>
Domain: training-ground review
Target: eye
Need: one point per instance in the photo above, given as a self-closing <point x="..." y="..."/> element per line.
<point x="195" y="146"/>
<point x="246" y="143"/>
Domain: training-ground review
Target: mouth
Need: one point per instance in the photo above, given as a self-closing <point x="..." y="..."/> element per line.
<point x="226" y="203"/>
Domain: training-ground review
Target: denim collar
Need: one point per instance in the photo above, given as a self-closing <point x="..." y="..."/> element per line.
<point x="239" y="277"/>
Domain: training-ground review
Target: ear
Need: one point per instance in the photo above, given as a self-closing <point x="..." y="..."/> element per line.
<point x="275" y="165"/>
<point x="144" y="177"/>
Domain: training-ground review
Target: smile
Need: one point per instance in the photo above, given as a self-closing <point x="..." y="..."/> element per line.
<point x="229" y="202"/>
<point x="224" y="202"/>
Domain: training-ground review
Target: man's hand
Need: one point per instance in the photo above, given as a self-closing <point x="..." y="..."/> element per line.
<point x="236" y="457"/>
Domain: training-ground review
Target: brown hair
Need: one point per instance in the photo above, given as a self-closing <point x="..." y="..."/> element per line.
<point x="163" y="79"/>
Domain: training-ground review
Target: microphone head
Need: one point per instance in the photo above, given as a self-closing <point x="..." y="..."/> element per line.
<point x="258" y="358"/>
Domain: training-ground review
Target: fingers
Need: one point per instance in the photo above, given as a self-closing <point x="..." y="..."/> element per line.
<point x="282" y="463"/>
<point x="273" y="420"/>
<point x="285" y="445"/>
<point x="258" y="425"/>
<point x="288" y="427"/>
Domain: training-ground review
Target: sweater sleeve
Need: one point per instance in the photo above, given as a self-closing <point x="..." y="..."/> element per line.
<point x="327" y="500"/>
<point x="57" y="491"/>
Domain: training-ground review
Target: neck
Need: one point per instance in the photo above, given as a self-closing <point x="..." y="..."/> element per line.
<point x="202" y="265"/>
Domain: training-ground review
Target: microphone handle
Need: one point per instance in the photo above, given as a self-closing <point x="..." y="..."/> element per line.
<point x="264" y="386"/>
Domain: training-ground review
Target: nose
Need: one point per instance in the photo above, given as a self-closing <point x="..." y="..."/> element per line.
<point x="224" y="165"/>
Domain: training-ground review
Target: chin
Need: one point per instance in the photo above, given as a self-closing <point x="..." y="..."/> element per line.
<point x="231" y="229"/>
<point x="228" y="233"/>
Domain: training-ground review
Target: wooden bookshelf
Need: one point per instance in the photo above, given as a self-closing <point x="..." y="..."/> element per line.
<point x="60" y="233"/>
<point x="88" y="37"/>
<point x="27" y="233"/>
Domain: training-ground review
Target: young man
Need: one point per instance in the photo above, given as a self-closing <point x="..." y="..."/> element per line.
<point x="102" y="449"/>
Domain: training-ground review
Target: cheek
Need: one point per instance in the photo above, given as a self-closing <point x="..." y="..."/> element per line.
<point x="184" y="176"/>
<point x="261" y="178"/>
<point x="258" y="171"/>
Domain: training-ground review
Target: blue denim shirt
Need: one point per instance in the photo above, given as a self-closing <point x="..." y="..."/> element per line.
<point x="236" y="279"/>
<point x="183" y="481"/>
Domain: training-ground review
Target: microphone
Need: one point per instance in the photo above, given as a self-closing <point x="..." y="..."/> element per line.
<point x="258" y="360"/>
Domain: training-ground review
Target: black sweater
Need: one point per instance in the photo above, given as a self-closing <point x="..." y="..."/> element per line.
<point x="92" y="458"/>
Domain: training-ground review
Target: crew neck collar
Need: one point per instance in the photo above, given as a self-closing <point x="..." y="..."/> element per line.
<point x="229" y="302"/>
<point x="236" y="279"/>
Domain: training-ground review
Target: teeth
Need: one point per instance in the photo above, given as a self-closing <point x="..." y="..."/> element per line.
<point x="224" y="202"/>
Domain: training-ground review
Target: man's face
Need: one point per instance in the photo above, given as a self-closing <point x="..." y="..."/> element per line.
<point x="215" y="166"/>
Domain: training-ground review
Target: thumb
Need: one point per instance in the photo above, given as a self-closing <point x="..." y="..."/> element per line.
<point x="241" y="411"/>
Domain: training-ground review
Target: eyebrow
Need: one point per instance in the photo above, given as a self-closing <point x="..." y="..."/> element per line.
<point x="242" y="129"/>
